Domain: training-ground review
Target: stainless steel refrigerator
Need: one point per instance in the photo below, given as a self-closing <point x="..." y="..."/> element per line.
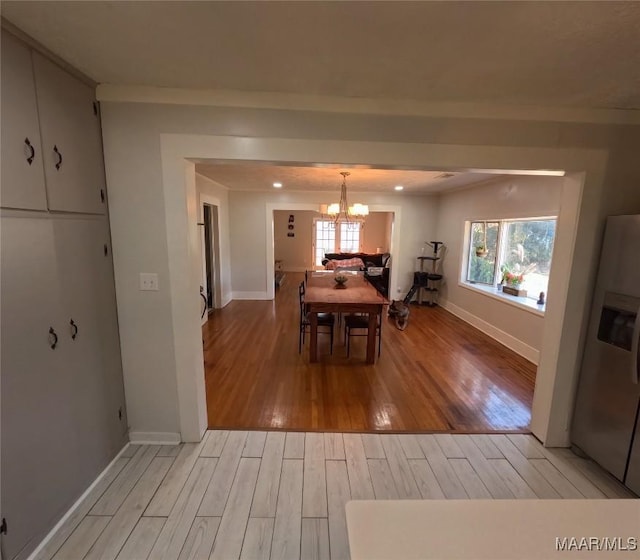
<point x="606" y="421"/>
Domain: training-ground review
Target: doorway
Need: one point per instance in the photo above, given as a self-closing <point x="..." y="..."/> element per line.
<point x="210" y="288"/>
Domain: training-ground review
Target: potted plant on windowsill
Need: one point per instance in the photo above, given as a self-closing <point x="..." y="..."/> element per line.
<point x="511" y="282"/>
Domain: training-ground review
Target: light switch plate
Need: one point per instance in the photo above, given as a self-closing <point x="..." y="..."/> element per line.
<point x="149" y="281"/>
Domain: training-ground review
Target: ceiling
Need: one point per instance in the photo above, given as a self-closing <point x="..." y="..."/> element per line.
<point x="327" y="178"/>
<point x="576" y="54"/>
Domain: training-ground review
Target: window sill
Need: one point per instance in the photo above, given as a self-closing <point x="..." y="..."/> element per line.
<point x="524" y="303"/>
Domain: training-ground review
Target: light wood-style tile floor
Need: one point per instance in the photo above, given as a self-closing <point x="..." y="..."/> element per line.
<point x="282" y="495"/>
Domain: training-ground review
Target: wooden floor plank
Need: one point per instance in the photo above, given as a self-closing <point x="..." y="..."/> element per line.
<point x="443" y="471"/>
<point x="357" y="468"/>
<point x="554" y="477"/>
<point x="266" y="494"/>
<point x="252" y="375"/>
<point x="200" y="539"/>
<point x="78" y="514"/>
<point x="602" y="479"/>
<point x="169" y="450"/>
<point x="216" y="495"/>
<point x="426" y="480"/>
<point x="373" y="446"/>
<point x="472" y="483"/>
<point x="486" y="446"/>
<point x="528" y="445"/>
<point x="410" y="446"/>
<point x="254" y="446"/>
<point x="333" y="446"/>
<point x="178" y="524"/>
<point x="315" y="539"/>
<point x="214" y="443"/>
<point x="83" y="538"/>
<point x="526" y="470"/>
<point x="285" y="544"/>
<point x="142" y="539"/>
<point x="228" y="543"/>
<point x="294" y="445"/>
<point x="257" y="539"/>
<point x="130" y="450"/>
<point x="482" y="467"/>
<point x="573" y="474"/>
<point x="117" y="492"/>
<point x="171" y="486"/>
<point x="400" y="469"/>
<point x="338" y="494"/>
<point x="449" y="446"/>
<point x="108" y="545"/>
<point x="314" y="494"/>
<point x="516" y="484"/>
<point x="384" y="487"/>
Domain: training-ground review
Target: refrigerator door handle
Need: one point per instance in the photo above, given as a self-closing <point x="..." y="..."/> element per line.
<point x="635" y="342"/>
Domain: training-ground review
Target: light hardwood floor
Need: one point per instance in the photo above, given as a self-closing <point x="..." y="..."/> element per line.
<point x="439" y="375"/>
<point x="276" y="495"/>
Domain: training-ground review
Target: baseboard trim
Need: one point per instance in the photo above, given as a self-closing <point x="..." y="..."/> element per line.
<point x="226" y="300"/>
<point x="250" y="295"/>
<point x="155" y="438"/>
<point x="511" y="342"/>
<point x="75" y="506"/>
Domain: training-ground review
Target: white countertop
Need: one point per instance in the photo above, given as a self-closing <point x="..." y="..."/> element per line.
<point x="492" y="529"/>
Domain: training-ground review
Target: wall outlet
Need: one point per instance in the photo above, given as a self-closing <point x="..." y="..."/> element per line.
<point x="149" y="281"/>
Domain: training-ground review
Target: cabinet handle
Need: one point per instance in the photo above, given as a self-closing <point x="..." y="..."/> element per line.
<point x="59" y="162"/>
<point x="32" y="149"/>
<point x="74" y="329"/>
<point x="53" y="338"/>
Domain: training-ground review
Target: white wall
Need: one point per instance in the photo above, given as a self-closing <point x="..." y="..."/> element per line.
<point x="211" y="192"/>
<point x="513" y="197"/>
<point x="136" y="173"/>
<point x="376" y="232"/>
<point x="295" y="252"/>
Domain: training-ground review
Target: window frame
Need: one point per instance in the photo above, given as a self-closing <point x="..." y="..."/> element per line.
<point x="337" y="236"/>
<point x="492" y="289"/>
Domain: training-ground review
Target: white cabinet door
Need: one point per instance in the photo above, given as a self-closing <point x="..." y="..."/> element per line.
<point x="71" y="140"/>
<point x="97" y="393"/>
<point x="22" y="168"/>
<point x="36" y="424"/>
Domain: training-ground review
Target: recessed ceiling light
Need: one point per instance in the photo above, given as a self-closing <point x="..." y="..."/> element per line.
<point x="398" y="187"/>
<point x="277" y="185"/>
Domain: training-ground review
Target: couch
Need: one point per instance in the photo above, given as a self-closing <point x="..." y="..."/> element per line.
<point x="374" y="265"/>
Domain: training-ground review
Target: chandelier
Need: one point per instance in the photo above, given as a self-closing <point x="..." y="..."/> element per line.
<point x="341" y="211"/>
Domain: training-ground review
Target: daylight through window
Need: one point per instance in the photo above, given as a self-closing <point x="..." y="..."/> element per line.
<point x="347" y="239"/>
<point x="515" y="250"/>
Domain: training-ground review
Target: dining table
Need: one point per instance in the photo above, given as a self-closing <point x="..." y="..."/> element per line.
<point x="324" y="295"/>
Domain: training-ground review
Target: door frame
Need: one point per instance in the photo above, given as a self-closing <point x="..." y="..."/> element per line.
<point x="214" y="203"/>
<point x="565" y="315"/>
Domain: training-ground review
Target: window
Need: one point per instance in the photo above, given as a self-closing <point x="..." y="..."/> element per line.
<point x="326" y="240"/>
<point x="521" y="247"/>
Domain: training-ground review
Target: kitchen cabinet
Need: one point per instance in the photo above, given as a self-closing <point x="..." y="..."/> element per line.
<point x="62" y="394"/>
<point x="62" y="408"/>
<point x="71" y="140"/>
<point x="51" y="141"/>
<point x="22" y="163"/>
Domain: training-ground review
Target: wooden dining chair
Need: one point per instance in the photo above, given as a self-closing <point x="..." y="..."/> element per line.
<point x="360" y="323"/>
<point x="324" y="320"/>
